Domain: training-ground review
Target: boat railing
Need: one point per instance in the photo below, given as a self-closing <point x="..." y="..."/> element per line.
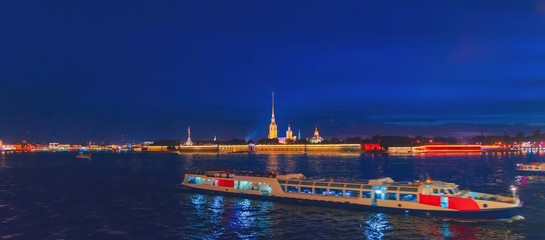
<point x="492" y="197"/>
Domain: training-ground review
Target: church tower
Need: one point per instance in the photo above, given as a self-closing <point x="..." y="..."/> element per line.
<point x="289" y="133"/>
<point x="273" y="131"/>
<point x="316" y="137"/>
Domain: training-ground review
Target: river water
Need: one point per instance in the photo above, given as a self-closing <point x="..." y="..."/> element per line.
<point x="137" y="196"/>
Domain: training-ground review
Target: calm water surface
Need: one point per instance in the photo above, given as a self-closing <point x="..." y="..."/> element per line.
<point x="137" y="196"/>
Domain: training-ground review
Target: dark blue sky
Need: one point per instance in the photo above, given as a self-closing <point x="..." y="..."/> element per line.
<point x="121" y="70"/>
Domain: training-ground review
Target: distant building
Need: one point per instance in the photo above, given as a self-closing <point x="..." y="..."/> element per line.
<point x="273" y="131"/>
<point x="289" y="134"/>
<point x="370" y="147"/>
<point x="189" y="142"/>
<point x="316" y="137"/>
<point x="1" y="144"/>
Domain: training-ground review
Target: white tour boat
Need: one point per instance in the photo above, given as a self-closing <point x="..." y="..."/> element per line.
<point x="533" y="167"/>
<point x="428" y="198"/>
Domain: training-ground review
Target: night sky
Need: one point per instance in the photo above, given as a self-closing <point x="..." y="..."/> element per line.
<point x="118" y="71"/>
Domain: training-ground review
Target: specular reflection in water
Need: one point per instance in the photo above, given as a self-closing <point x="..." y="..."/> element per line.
<point x="376" y="225"/>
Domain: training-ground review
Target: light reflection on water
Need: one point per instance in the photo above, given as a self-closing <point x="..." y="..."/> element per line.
<point x="376" y="225"/>
<point x="50" y="193"/>
<point x="486" y="172"/>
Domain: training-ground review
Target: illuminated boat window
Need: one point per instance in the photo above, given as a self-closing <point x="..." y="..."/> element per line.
<point x="293" y="189"/>
<point x="352" y="193"/>
<point x="195" y="180"/>
<point x="336" y="192"/>
<point x="245" y="185"/>
<point x="408" y="189"/>
<point x="390" y="196"/>
<point x="307" y="183"/>
<point x="353" y="186"/>
<point x="191" y="180"/>
<point x="407" y="197"/>
<point x="306" y="190"/>
<point x="283" y="187"/>
<point x="320" y="191"/>
<point x="322" y="184"/>
<point x="366" y="194"/>
<point x="337" y="185"/>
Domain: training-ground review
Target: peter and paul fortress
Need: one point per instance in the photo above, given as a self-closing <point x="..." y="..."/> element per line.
<point x="315" y="141"/>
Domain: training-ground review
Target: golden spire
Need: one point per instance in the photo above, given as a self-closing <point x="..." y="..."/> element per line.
<point x="272" y="118"/>
<point x="273" y="132"/>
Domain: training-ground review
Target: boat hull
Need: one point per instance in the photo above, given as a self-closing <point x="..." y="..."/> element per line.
<point x="476" y="215"/>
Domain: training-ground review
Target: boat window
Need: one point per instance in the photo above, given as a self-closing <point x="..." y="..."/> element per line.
<point x="306" y="190"/>
<point x="320" y="191"/>
<point x="392" y="188"/>
<point x="353" y="186"/>
<point x="336" y="185"/>
<point x="293" y="189"/>
<point x="281" y="181"/>
<point x="323" y="184"/>
<point x="199" y="180"/>
<point x="408" y="189"/>
<point x="191" y="180"/>
<point x="450" y="191"/>
<point x="366" y="194"/>
<point x="307" y="183"/>
<point x="367" y="187"/>
<point x="390" y="196"/>
<point x="352" y="193"/>
<point x="293" y="182"/>
<point x="283" y="187"/>
<point x="407" y="197"/>
<point x="379" y="195"/>
<point x="443" y="191"/>
<point x="336" y="192"/>
<point x="435" y="191"/>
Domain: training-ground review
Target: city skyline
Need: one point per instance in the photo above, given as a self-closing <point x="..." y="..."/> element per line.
<point x="114" y="72"/>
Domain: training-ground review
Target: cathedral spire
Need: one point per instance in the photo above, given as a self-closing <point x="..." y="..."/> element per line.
<point x="273" y="131"/>
<point x="272" y="118"/>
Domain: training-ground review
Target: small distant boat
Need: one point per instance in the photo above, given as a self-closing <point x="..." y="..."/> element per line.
<point x="533" y="167"/>
<point x="84" y="156"/>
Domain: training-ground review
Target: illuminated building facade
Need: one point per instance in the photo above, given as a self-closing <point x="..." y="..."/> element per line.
<point x="289" y="134"/>
<point x="316" y="137"/>
<point x="273" y="131"/>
